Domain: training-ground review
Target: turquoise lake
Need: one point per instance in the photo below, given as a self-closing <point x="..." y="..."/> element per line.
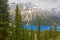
<point x="34" y="27"/>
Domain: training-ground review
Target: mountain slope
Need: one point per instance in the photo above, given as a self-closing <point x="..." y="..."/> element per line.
<point x="30" y="11"/>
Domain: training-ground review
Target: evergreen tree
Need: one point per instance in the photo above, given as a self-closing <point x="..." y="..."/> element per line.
<point x="32" y="36"/>
<point x="18" y="25"/>
<point x="38" y="30"/>
<point x="55" y="31"/>
<point x="50" y="33"/>
<point x="12" y="29"/>
<point x="27" y="34"/>
<point x="4" y="19"/>
<point x="46" y="35"/>
<point x="10" y="32"/>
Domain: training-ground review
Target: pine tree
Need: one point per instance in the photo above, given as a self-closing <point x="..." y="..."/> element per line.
<point x="55" y="31"/>
<point x="13" y="32"/>
<point x="4" y="19"/>
<point x="50" y="33"/>
<point x="38" y="30"/>
<point x="46" y="35"/>
<point x="32" y="36"/>
<point x="27" y="34"/>
<point x="18" y="25"/>
<point x="10" y="32"/>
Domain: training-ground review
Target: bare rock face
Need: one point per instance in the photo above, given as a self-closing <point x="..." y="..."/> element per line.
<point x="29" y="11"/>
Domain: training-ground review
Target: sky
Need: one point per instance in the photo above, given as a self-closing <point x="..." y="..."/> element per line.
<point x="40" y="3"/>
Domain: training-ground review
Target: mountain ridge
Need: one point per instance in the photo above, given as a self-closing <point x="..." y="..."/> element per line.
<point x="30" y="11"/>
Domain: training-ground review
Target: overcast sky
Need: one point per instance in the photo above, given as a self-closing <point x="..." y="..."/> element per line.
<point x="40" y="3"/>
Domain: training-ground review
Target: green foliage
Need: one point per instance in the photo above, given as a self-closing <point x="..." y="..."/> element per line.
<point x="16" y="31"/>
<point x="38" y="30"/>
<point x="50" y="33"/>
<point x="4" y="19"/>
<point x="19" y="29"/>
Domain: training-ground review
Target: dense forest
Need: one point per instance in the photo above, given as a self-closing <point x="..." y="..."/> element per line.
<point x="15" y="30"/>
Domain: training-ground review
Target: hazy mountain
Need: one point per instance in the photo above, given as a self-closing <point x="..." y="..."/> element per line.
<point x="30" y="11"/>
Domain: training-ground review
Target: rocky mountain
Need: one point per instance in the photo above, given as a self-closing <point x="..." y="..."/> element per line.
<point x="29" y="13"/>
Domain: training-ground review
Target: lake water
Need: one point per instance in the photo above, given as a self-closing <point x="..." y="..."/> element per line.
<point x="34" y="27"/>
